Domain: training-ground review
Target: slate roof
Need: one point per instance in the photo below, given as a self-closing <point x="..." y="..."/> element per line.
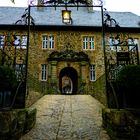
<point x="80" y="17"/>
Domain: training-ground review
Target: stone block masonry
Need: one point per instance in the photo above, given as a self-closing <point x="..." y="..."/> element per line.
<point x="14" y="123"/>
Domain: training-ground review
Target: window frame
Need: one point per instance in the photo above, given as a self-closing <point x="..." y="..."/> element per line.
<point x="92" y="72"/>
<point x="88" y="42"/>
<point x="20" y="40"/>
<point x="111" y="44"/>
<point x="19" y="71"/>
<point x="136" y="42"/>
<point x="2" y="41"/>
<point x="48" y="41"/>
<point x="114" y="44"/>
<point x="43" y="74"/>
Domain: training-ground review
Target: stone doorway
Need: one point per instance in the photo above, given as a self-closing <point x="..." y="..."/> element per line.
<point x="68" y="81"/>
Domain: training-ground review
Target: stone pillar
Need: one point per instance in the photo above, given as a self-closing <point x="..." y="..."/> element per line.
<point x="54" y="71"/>
<point x="82" y="85"/>
<point x="83" y="71"/>
<point x="53" y="78"/>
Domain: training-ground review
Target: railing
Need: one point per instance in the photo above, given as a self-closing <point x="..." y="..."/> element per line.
<point x="115" y="61"/>
<point x="134" y="55"/>
<point x="9" y="100"/>
<point x="113" y="72"/>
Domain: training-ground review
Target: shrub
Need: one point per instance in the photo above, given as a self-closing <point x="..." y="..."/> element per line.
<point x="129" y="77"/>
<point x="128" y="82"/>
<point x="7" y="78"/>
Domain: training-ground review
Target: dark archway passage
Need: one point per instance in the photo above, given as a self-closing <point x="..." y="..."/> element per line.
<point x="71" y="80"/>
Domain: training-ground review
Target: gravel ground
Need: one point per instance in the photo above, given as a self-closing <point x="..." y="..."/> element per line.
<point x="67" y="117"/>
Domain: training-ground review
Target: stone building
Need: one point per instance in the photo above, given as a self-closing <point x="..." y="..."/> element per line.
<point x="66" y="58"/>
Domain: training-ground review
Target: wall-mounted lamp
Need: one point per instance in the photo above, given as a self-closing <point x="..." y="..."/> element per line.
<point x="66" y="17"/>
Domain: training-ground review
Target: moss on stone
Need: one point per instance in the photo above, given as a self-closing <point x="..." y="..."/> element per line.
<point x="120" y="124"/>
<point x="16" y="122"/>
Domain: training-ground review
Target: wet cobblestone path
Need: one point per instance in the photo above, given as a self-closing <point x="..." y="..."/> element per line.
<point x="67" y="117"/>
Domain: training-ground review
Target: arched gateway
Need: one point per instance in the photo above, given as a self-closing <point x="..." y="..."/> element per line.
<point x="68" y="80"/>
<point x="67" y="70"/>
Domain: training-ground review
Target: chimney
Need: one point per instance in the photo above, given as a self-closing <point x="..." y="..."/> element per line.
<point x="39" y="4"/>
<point x="90" y="3"/>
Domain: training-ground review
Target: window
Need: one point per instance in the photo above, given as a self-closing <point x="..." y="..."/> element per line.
<point x="114" y="43"/>
<point x="88" y="42"/>
<point x="130" y="43"/>
<point x="85" y="42"/>
<point x="17" y="41"/>
<point x="111" y="43"/>
<point x="20" y="41"/>
<point x="43" y="72"/>
<point x="23" y="41"/>
<point x="117" y="44"/>
<point x="136" y="42"/>
<point x="92" y="73"/>
<point x="19" y="70"/>
<point x="47" y="42"/>
<point x="2" y="38"/>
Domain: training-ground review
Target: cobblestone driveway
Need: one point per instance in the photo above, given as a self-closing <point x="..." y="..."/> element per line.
<point x="67" y="117"/>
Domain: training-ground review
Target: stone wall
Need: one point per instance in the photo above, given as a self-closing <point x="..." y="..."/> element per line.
<point x="121" y="124"/>
<point x="15" y="123"/>
<point x="72" y="39"/>
<point x="98" y="90"/>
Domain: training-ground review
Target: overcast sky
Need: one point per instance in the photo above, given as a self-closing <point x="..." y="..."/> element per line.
<point x="110" y="5"/>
